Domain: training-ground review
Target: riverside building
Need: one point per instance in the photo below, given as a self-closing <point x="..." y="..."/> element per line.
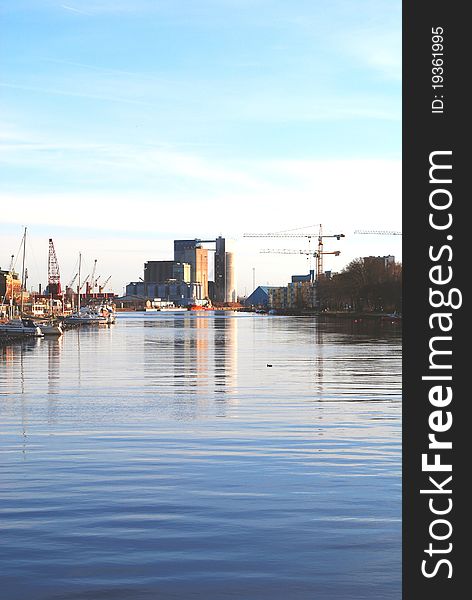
<point x="186" y="279"/>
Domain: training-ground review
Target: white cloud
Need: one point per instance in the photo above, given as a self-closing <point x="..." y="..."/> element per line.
<point x="342" y="195"/>
<point x="380" y="51"/>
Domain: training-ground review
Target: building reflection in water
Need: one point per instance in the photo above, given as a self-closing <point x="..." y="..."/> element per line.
<point x="190" y="361"/>
<point x="319" y="361"/>
<point x="190" y="357"/>
<point x="225" y="352"/>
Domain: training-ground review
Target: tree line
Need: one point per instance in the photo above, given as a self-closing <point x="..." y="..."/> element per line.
<point x="370" y="284"/>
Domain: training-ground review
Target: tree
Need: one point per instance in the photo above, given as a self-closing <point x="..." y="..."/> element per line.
<point x="371" y="284"/>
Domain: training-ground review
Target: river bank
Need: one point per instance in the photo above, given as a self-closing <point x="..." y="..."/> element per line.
<point x="328" y="315"/>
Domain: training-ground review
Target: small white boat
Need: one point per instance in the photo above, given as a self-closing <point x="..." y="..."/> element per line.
<point x="20" y="327"/>
<point x="51" y="329"/>
<point x="85" y="318"/>
<point x="105" y="311"/>
<point x="108" y="311"/>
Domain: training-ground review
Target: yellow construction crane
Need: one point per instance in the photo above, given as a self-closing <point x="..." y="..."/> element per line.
<point x="318" y="254"/>
<point x="306" y="252"/>
<point x="290" y="251"/>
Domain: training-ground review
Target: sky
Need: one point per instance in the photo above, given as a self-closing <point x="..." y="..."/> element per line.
<point x="125" y="124"/>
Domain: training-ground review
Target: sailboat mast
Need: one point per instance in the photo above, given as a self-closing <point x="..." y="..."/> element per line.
<point x="78" y="284"/>
<point x="23" y="274"/>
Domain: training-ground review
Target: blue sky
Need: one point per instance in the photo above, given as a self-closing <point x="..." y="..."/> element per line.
<point x="125" y="124"/>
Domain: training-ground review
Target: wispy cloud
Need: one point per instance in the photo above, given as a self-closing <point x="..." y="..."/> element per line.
<point x="74" y="9"/>
<point x="378" y="50"/>
<point x="201" y="110"/>
<point x="326" y="191"/>
<point x="73" y="93"/>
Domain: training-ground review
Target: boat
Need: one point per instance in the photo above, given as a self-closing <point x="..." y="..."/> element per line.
<point x="157" y="305"/>
<point x="85" y="317"/>
<point x="107" y="310"/>
<point x="51" y="329"/>
<point x="103" y="312"/>
<point x="92" y="314"/>
<point x="392" y="317"/>
<point x="21" y="328"/>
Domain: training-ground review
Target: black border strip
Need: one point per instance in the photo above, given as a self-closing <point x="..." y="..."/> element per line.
<point x="440" y="128"/>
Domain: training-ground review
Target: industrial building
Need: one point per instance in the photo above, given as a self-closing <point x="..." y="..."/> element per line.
<point x="180" y="294"/>
<point x="158" y="271"/>
<point x="193" y="253"/>
<point x="225" y="272"/>
<point x="185" y="280"/>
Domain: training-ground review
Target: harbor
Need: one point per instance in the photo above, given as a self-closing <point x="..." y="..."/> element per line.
<point x="202" y="276"/>
<point x="183" y="425"/>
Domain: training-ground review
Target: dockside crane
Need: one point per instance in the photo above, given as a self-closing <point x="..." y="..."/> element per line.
<point x="318" y="254"/>
<point x="72" y="281"/>
<point x="92" y="277"/>
<point x="83" y="283"/>
<point x="54" y="279"/>
<point x="102" y="287"/>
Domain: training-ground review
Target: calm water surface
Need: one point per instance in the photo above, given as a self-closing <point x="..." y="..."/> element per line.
<point x="163" y="458"/>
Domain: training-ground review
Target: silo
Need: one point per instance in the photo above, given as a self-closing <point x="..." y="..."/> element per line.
<point x="220" y="270"/>
<point x="231" y="294"/>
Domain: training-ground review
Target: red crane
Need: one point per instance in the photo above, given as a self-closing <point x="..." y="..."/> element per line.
<point x="54" y="278"/>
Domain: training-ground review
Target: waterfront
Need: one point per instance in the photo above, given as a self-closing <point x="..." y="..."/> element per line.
<point x="164" y="458"/>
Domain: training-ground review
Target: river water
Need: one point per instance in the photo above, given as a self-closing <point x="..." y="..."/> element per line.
<point x="202" y="456"/>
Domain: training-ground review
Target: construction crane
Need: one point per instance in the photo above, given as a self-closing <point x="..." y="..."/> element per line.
<point x="95" y="283"/>
<point x="54" y="279"/>
<point x="289" y="251"/>
<point x="102" y="287"/>
<point x="92" y="277"/>
<point x="306" y="252"/>
<point x="319" y="236"/>
<point x="83" y="283"/>
<point x="72" y="281"/>
<point x="373" y="232"/>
